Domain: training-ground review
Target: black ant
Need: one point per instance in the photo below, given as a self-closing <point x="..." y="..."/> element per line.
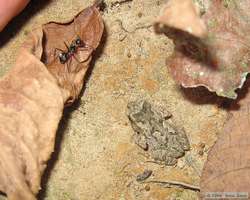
<point x="64" y="56"/>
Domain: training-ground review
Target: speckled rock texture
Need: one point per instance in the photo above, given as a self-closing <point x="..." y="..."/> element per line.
<point x="95" y="157"/>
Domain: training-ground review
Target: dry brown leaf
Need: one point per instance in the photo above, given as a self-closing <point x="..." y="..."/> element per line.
<point x="221" y="61"/>
<point x="32" y="98"/>
<point x="88" y="25"/>
<point x="228" y="165"/>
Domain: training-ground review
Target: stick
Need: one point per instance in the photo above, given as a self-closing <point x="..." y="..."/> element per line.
<point x="177" y="184"/>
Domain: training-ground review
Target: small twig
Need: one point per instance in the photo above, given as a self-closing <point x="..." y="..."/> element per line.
<point x="137" y="28"/>
<point x="177" y="184"/>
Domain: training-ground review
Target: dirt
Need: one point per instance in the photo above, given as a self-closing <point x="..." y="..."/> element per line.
<point x="95" y="157"/>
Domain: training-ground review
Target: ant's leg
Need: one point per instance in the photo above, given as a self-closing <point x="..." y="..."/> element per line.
<point x="86" y="48"/>
<point x="76" y="58"/>
<point x="86" y="58"/>
<point x="68" y="65"/>
<point x="66" y="69"/>
<point x="57" y="49"/>
<point x="76" y="29"/>
<point x="55" y="55"/>
<point x="66" y="45"/>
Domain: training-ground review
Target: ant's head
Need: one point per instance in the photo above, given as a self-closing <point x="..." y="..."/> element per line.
<point x="78" y="41"/>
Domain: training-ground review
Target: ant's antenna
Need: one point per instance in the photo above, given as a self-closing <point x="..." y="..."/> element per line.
<point x="66" y="45"/>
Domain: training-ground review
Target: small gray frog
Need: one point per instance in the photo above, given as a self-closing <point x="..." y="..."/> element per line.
<point x="155" y="133"/>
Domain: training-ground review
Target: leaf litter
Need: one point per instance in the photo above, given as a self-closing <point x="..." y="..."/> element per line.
<point x="227" y="167"/>
<point x="33" y="95"/>
<point x="218" y="59"/>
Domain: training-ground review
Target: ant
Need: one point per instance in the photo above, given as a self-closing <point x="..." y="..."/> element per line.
<point x="64" y="56"/>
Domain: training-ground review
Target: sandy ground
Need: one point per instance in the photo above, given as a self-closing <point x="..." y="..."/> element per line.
<point x="95" y="157"/>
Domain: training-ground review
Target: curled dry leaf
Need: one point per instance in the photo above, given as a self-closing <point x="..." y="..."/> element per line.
<point x="183" y="15"/>
<point x="33" y="95"/>
<point x="220" y="61"/>
<point x="58" y="38"/>
<point x="228" y="168"/>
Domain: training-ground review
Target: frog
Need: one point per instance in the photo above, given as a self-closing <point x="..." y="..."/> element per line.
<point x="155" y="132"/>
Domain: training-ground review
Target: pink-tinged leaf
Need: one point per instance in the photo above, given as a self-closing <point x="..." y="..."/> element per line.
<point x="228" y="165"/>
<point x="183" y="15"/>
<point x="221" y="61"/>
